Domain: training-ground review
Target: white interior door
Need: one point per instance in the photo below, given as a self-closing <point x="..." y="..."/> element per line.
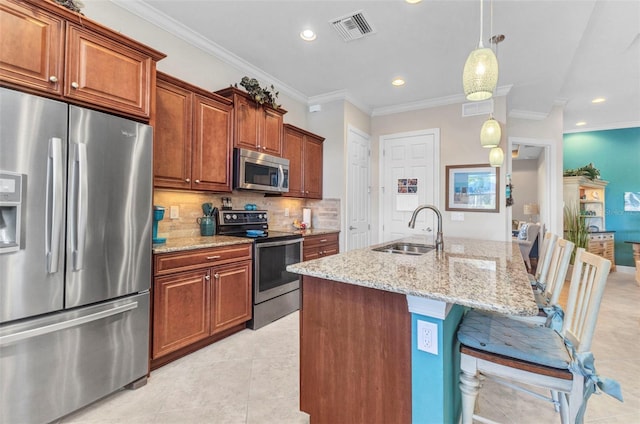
<point x="358" y="227"/>
<point x="410" y="177"/>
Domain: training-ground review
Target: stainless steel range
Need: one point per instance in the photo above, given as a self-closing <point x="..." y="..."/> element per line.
<point x="276" y="292"/>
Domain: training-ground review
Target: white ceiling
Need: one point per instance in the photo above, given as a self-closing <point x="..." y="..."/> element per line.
<point x="563" y="52"/>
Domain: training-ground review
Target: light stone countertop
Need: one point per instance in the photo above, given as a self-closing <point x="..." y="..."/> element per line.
<point x="482" y="274"/>
<point x="179" y="244"/>
<point x="307" y="232"/>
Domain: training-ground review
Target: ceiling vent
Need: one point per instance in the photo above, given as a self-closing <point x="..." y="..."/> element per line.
<point x="484" y="107"/>
<point x="352" y="26"/>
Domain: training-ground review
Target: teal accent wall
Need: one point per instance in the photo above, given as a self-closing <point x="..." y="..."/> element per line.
<point x="616" y="153"/>
<point x="435" y="396"/>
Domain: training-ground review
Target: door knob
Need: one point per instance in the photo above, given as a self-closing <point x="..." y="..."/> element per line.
<point x="351" y="227"/>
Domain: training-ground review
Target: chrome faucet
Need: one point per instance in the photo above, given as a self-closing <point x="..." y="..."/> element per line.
<point x="412" y="224"/>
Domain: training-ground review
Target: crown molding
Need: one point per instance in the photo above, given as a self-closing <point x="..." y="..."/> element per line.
<point x="339" y="95"/>
<point x="614" y="126"/>
<point x="429" y="103"/>
<point x="527" y="114"/>
<point x="150" y="14"/>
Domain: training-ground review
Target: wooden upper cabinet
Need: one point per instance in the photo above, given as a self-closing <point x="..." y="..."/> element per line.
<point x="271" y="137"/>
<point x="212" y="149"/>
<point x="105" y="72"/>
<point x="47" y="49"/>
<point x="192" y="139"/>
<point x="256" y="127"/>
<point x="172" y="136"/>
<point x="304" y="151"/>
<point x="33" y="56"/>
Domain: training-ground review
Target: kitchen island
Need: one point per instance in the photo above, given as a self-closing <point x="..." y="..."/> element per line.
<point x="359" y="320"/>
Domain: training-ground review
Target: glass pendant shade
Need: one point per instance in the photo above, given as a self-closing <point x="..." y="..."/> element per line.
<point x="490" y="133"/>
<point x="480" y="74"/>
<point x="496" y="157"/>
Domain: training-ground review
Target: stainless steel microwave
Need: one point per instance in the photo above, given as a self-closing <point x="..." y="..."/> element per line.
<point x="260" y="172"/>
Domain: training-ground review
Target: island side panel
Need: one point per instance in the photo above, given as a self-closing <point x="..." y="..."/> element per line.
<point x="355" y="354"/>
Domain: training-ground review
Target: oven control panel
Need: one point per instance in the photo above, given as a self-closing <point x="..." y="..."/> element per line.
<point x="241" y="217"/>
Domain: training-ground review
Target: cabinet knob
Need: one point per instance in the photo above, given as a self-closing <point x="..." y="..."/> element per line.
<point x="306" y="192"/>
<point x="75" y="85"/>
<point x="207" y="277"/>
<point x="53" y="79"/>
<point x="216" y="275"/>
<point x="188" y="180"/>
<point x="259" y="147"/>
<point x="197" y="181"/>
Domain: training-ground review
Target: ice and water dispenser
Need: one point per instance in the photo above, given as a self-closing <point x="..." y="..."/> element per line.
<point x="10" y="207"/>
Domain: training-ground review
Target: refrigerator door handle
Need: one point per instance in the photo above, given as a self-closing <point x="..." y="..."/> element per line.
<point x="79" y="206"/>
<point x="54" y="204"/>
<point x="59" y="326"/>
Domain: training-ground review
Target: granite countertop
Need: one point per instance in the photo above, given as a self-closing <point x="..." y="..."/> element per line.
<point x="178" y="244"/>
<point x="482" y="274"/>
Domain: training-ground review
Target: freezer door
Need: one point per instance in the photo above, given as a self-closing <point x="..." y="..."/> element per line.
<point x="33" y="143"/>
<point x="53" y="365"/>
<point x="109" y="207"/>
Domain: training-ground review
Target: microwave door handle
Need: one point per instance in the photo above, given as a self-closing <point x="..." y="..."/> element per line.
<point x="281" y="182"/>
<point x="54" y="204"/>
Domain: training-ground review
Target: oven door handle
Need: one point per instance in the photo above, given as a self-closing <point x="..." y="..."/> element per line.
<point x="279" y="243"/>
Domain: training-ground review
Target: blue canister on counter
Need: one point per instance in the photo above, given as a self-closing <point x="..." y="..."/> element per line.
<point x="207" y="226"/>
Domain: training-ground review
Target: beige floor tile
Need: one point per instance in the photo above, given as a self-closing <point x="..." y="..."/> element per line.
<point x="252" y="378"/>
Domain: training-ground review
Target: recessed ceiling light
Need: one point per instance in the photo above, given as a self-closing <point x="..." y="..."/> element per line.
<point x="598" y="100"/>
<point x="413" y="1"/>
<point x="581" y="123"/>
<point x="308" y="35"/>
<point x="398" y="82"/>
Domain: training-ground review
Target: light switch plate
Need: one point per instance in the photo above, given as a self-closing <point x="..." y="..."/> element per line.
<point x="174" y="212"/>
<point x="457" y="216"/>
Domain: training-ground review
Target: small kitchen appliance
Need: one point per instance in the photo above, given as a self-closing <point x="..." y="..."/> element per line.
<point x="158" y="215"/>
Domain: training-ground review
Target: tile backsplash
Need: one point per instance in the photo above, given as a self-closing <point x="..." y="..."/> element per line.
<point x="325" y="213"/>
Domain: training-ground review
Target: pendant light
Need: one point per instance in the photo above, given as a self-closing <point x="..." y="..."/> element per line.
<point x="496" y="157"/>
<point x="490" y="134"/>
<point x="480" y="74"/>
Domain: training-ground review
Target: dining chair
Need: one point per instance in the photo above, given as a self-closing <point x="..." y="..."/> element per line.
<point x="539" y="279"/>
<point x="516" y="353"/>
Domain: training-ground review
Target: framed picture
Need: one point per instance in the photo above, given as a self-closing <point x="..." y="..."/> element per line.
<point x="472" y="188"/>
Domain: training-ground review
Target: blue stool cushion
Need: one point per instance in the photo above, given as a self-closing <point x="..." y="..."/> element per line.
<point x="499" y="334"/>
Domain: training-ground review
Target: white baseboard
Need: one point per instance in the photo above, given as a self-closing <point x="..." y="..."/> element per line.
<point x="625" y="269"/>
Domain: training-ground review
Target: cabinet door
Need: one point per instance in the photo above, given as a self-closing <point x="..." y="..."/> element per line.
<point x="313" y="168"/>
<point x="211" y="166"/>
<point x="271" y="135"/>
<point x="103" y="72"/>
<point x="231" y="295"/>
<point x="31" y="47"/>
<point x="172" y="137"/>
<point x="180" y="310"/>
<point x="246" y="120"/>
<point x="309" y="253"/>
<point x="292" y="149"/>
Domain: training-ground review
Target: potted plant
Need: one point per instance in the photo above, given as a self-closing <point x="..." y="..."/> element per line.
<point x="575" y="228"/>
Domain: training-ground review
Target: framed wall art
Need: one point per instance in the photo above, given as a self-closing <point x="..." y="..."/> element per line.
<point x="472" y="188"/>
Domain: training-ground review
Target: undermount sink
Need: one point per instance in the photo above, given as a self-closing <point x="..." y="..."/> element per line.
<point x="405" y="248"/>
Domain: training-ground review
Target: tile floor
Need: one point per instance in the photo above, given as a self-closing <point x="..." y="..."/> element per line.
<point x="252" y="377"/>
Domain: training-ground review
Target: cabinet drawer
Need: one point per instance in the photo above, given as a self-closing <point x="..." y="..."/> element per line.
<point x="319" y="240"/>
<point x="166" y="263"/>
<point x="601" y="237"/>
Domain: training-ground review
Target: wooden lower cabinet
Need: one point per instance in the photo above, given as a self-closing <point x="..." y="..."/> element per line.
<point x="603" y="244"/>
<point x="181" y="304"/>
<point x="318" y="246"/>
<point x="199" y="297"/>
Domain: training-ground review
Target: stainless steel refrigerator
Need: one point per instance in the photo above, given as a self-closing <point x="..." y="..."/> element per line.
<point x="75" y="256"/>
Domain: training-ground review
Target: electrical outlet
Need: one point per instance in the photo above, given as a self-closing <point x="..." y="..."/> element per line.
<point x="174" y="212"/>
<point x="428" y="337"/>
<point x="286" y="212"/>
